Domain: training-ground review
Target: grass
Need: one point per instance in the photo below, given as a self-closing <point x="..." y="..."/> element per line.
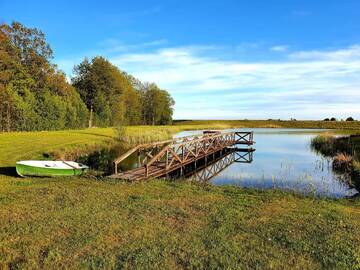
<point x="344" y="150"/>
<point x="81" y="223"/>
<point x="68" y="143"/>
<point x="348" y="125"/>
<point x="87" y="224"/>
<point x="343" y="162"/>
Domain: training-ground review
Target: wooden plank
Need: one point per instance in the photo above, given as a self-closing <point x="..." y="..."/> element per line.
<point x="185" y="150"/>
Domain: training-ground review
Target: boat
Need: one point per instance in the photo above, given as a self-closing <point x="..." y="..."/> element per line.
<point x="48" y="168"/>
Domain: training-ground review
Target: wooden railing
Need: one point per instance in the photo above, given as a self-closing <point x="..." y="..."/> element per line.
<point x="181" y="151"/>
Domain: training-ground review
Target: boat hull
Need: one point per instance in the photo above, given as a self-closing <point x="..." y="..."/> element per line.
<point x="27" y="170"/>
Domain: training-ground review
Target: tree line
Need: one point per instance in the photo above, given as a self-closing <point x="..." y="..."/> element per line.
<point x="35" y="95"/>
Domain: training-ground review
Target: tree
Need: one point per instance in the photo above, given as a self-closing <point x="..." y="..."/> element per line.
<point x="350" y="119"/>
<point x="109" y="91"/>
<point x="157" y="106"/>
<point x="31" y="50"/>
<point x="34" y="93"/>
<point x="332" y="119"/>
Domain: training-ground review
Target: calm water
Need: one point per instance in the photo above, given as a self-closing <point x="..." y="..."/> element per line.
<point x="283" y="159"/>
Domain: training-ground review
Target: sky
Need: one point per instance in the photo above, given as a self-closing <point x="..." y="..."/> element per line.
<point x="218" y="59"/>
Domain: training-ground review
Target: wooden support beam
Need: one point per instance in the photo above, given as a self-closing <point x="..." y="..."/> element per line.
<point x="176" y="153"/>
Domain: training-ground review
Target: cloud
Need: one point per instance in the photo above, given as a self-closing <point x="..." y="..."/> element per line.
<point x="279" y="48"/>
<point x="348" y="54"/>
<point x="305" y="84"/>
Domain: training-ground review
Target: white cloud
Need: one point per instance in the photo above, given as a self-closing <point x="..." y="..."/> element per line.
<point x="279" y="48"/>
<point x="348" y="54"/>
<point x="308" y="84"/>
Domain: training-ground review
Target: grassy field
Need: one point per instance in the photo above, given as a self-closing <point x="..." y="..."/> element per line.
<point x="88" y="224"/>
<point x="350" y="125"/>
<point x="24" y="145"/>
<point x="83" y="223"/>
<point x="60" y="144"/>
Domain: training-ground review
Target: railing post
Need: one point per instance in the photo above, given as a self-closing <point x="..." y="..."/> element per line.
<point x="182" y="152"/>
<point x="139" y="160"/>
<point x="167" y="159"/>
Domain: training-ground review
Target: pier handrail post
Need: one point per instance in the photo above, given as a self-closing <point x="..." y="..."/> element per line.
<point x="115" y="167"/>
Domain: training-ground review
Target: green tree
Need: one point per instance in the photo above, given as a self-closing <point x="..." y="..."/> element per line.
<point x="157" y="106"/>
<point x="106" y="89"/>
<point x="34" y="94"/>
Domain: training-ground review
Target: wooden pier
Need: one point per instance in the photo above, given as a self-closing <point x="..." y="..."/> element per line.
<point x="160" y="158"/>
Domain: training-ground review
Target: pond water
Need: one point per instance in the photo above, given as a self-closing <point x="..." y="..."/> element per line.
<point x="283" y="159"/>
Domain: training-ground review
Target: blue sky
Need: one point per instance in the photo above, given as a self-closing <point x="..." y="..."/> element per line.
<point x="219" y="59"/>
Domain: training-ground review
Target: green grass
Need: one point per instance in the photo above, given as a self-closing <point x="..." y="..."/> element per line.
<point x="81" y="223"/>
<point x="23" y="145"/>
<point x="352" y="125"/>
<point x="88" y="224"/>
<point x="68" y="143"/>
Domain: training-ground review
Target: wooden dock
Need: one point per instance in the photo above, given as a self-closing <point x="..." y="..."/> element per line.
<point x="160" y="158"/>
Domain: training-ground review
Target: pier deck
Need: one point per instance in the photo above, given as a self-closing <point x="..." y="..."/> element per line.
<point x="160" y="158"/>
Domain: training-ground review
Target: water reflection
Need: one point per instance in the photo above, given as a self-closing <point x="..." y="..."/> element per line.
<point x="204" y="170"/>
<point x="284" y="160"/>
<point x="102" y="160"/>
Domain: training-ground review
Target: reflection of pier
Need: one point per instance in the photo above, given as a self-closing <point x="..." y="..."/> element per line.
<point x="161" y="158"/>
<point x="213" y="167"/>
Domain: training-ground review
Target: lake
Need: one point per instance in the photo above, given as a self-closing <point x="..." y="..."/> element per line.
<point x="284" y="160"/>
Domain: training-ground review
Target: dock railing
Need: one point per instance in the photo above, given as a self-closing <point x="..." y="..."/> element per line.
<point x="171" y="154"/>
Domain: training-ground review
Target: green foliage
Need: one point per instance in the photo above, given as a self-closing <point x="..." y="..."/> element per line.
<point x="157" y="106"/>
<point x="34" y="95"/>
<point x="118" y="98"/>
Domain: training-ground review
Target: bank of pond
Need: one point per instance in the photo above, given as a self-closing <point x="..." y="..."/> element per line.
<point x="296" y="160"/>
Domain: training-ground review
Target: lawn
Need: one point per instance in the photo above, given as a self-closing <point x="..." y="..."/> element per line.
<point x="87" y="223"/>
<point x="24" y="145"/>
<point x="348" y="125"/>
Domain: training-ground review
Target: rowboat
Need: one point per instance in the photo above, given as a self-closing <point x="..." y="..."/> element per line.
<point x="49" y="168"/>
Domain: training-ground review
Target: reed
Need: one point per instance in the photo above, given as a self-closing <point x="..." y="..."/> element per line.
<point x="343" y="162"/>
